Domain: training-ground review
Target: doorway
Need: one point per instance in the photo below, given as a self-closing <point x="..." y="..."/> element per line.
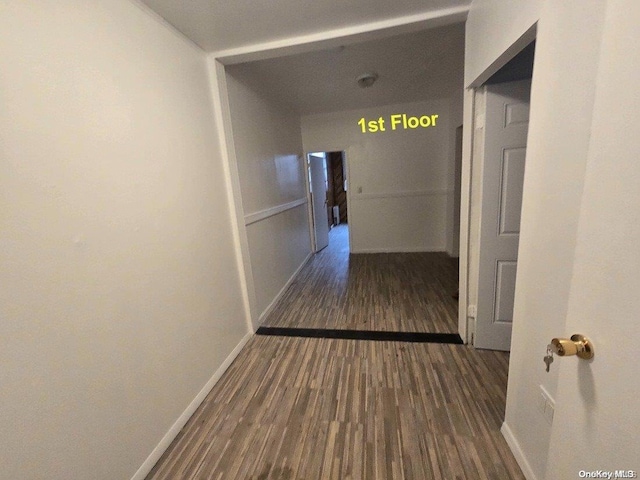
<point x="501" y="122"/>
<point x="401" y="296"/>
<point x="328" y="212"/>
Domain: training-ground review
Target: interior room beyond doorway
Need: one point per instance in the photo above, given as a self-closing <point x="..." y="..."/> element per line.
<point x="327" y="194"/>
<point x="388" y="292"/>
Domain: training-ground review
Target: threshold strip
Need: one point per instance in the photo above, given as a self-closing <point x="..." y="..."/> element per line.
<point x="375" y="335"/>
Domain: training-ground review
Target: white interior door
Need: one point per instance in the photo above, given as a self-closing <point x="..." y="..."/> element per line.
<point x="319" y="201"/>
<point x="597" y="411"/>
<point x="505" y="146"/>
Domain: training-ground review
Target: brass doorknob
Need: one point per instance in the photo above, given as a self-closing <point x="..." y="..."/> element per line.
<point x="578" y="345"/>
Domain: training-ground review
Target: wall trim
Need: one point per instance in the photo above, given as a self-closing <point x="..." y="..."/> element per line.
<point x="271" y="211"/>
<point x="175" y="429"/>
<point x="411" y="193"/>
<point x="514" y="446"/>
<point x="432" y="249"/>
<point x="271" y="305"/>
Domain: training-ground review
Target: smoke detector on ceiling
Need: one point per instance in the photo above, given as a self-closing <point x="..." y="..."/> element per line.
<point x="367" y="79"/>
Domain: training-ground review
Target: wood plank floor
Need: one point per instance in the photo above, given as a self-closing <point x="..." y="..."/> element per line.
<point x="292" y="408"/>
<point x="403" y="292"/>
<point x="319" y="408"/>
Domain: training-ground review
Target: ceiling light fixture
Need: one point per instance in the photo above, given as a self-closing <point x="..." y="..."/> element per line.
<point x="367" y="79"/>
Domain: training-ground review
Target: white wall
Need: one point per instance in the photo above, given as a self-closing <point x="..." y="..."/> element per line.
<point x="494" y="32"/>
<point x="120" y="294"/>
<point x="561" y="105"/>
<point x="271" y="180"/>
<point x="399" y="181"/>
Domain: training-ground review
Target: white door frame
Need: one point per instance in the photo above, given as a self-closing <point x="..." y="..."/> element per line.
<point x="466" y="312"/>
<point x="318" y="184"/>
<point x="464" y="317"/>
<point x="307" y="184"/>
<point x="308" y="187"/>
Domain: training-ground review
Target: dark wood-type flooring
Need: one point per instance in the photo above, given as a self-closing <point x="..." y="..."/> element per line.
<point x="402" y="292"/>
<point x="316" y="408"/>
<point x="294" y="408"/>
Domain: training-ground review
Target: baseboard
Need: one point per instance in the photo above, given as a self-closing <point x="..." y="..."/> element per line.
<point x="271" y="305"/>
<point x="439" y="249"/>
<point x="517" y="452"/>
<point x="173" y="432"/>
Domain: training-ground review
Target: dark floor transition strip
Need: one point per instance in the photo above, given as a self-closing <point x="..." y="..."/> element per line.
<point x="415" y="337"/>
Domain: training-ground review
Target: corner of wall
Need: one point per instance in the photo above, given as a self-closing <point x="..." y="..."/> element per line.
<point x="220" y="99"/>
<point x="182" y="420"/>
<point x="264" y="140"/>
<point x="517" y="452"/>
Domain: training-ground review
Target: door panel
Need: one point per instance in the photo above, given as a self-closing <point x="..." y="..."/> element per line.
<point x="516" y="113"/>
<point x="506" y="128"/>
<point x="505" y="291"/>
<point x="511" y="190"/>
<point x="597" y="418"/>
<point x="319" y="201"/>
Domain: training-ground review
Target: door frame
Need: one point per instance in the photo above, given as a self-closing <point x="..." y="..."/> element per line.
<point x="489" y="170"/>
<point x="311" y="198"/>
<point x="467" y="311"/>
<point x="307" y="186"/>
<point x="345" y="162"/>
<point x="465" y="315"/>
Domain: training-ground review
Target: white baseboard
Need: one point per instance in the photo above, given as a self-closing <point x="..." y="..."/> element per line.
<point x="270" y="307"/>
<point x="517" y="452"/>
<point x="157" y="452"/>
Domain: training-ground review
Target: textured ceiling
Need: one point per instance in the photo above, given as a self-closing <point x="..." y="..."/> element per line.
<point x="411" y="67"/>
<point x="218" y="25"/>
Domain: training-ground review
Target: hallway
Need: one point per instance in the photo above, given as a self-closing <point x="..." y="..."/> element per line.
<point x="326" y="408"/>
<point x="400" y="292"/>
